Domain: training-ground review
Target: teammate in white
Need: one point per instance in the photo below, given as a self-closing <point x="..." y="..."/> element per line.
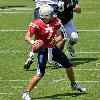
<point x="41" y="2"/>
<point x="65" y="13"/>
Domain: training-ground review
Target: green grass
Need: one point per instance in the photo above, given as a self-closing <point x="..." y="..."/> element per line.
<point x="14" y="51"/>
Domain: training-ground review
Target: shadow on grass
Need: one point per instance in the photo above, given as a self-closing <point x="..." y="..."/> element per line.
<point x="34" y="68"/>
<point x="60" y="96"/>
<point x="30" y="69"/>
<point x="7" y="7"/>
<point x="77" y="61"/>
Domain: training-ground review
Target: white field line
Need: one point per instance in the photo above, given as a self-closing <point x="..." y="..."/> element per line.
<point x="62" y="80"/>
<point x="3" y="93"/>
<point x="98" y="69"/>
<point x="83" y="30"/>
<point x="13" y="30"/>
<point x="19" y="51"/>
<point x="24" y="8"/>
<point x="16" y="12"/>
<point x="89" y="30"/>
<point x="13" y="80"/>
<point x="89" y="52"/>
<point x="97" y="64"/>
<point x="51" y="81"/>
<point x="31" y="12"/>
<point x="17" y="8"/>
<point x="12" y="51"/>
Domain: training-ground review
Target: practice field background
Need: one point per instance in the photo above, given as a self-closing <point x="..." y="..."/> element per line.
<point x="15" y="15"/>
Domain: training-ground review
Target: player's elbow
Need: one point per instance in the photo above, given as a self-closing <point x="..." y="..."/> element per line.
<point x="26" y="38"/>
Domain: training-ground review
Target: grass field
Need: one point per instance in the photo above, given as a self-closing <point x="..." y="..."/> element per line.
<point x="15" y="15"/>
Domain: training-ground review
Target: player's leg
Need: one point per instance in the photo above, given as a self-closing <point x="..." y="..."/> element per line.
<point x="73" y="35"/>
<point x="61" y="58"/>
<point x="33" y="82"/>
<point x="74" y="85"/>
<point x="42" y="60"/>
<point x="60" y="45"/>
<point x="29" y="60"/>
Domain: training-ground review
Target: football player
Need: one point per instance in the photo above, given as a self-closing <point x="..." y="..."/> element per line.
<point x="53" y="3"/>
<point x="64" y="10"/>
<point x="45" y="29"/>
<point x="65" y="13"/>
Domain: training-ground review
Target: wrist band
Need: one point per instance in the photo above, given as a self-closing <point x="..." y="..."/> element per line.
<point x="32" y="41"/>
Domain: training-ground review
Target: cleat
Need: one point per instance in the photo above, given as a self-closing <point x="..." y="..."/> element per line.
<point x="78" y="88"/>
<point x="72" y="51"/>
<point x="28" y="63"/>
<point x="26" y="96"/>
<point x="55" y="64"/>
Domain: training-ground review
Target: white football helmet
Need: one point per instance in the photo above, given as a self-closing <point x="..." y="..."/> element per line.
<point x="46" y="11"/>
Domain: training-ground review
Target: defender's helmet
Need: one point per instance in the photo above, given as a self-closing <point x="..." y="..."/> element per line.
<point x="46" y="11"/>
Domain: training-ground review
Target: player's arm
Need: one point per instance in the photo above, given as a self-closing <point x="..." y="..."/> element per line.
<point x="59" y="39"/>
<point x="28" y="37"/>
<point x="31" y="31"/>
<point x="75" y="2"/>
<point x="59" y="36"/>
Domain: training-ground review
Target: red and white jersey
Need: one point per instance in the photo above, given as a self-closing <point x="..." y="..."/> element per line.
<point x="43" y="31"/>
<point x="41" y="2"/>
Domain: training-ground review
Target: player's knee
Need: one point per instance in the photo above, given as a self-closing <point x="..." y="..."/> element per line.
<point x="40" y="74"/>
<point x="74" y="36"/>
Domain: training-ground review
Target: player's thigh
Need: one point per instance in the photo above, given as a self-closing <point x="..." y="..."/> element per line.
<point x="42" y="60"/>
<point x="60" y="57"/>
<point x="70" y="27"/>
<point x="71" y="31"/>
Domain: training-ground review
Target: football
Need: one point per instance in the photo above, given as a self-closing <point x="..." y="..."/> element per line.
<point x="37" y="45"/>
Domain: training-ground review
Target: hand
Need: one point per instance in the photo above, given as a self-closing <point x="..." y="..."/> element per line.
<point x="34" y="42"/>
<point x="54" y="41"/>
<point x="77" y="8"/>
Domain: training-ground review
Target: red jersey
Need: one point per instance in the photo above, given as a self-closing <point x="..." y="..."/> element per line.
<point x="43" y="31"/>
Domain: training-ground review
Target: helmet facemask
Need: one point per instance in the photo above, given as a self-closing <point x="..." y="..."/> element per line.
<point x="46" y="11"/>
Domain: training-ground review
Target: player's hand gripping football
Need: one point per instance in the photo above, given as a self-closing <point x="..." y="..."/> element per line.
<point x="54" y="40"/>
<point x="37" y="45"/>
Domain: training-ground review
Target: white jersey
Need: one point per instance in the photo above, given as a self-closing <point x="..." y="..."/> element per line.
<point x="41" y="2"/>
